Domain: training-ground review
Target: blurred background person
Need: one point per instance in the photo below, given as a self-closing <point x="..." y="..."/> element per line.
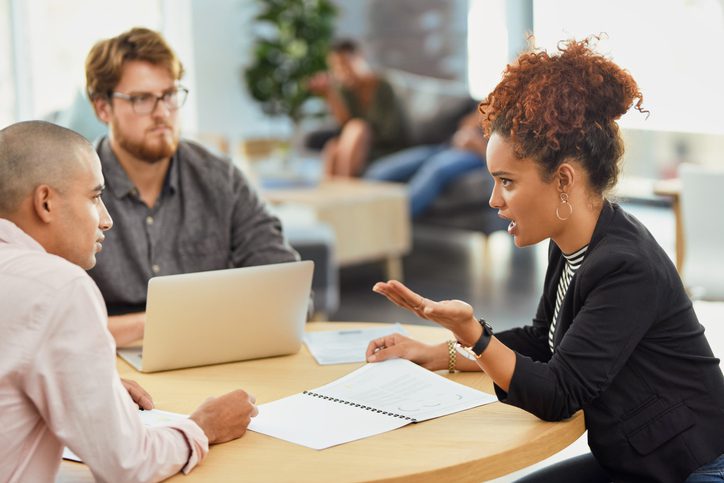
<point x="365" y="106"/>
<point x="430" y="168"/>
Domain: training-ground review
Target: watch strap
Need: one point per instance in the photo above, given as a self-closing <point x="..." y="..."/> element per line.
<point x="482" y="343"/>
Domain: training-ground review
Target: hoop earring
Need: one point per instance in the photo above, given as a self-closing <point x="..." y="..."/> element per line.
<point x="565" y="203"/>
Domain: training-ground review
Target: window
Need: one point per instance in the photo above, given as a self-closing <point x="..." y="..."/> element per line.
<point x="52" y="39"/>
<point x="487" y="45"/>
<point x="7" y="92"/>
<point x="671" y="47"/>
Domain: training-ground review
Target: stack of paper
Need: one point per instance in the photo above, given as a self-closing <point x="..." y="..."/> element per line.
<point x="344" y="346"/>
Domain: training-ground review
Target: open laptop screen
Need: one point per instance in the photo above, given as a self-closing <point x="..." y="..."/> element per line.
<point x="220" y="316"/>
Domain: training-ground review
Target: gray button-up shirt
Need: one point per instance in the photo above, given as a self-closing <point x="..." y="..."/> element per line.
<point x="207" y="217"/>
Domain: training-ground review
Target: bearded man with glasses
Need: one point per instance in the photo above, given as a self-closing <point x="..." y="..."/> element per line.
<point x="177" y="207"/>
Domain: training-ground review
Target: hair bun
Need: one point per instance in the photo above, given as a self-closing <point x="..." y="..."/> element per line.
<point x="562" y="105"/>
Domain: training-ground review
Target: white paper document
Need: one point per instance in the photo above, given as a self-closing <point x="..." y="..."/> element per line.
<point x="150" y="419"/>
<point x="344" y="346"/>
<point x="373" y="399"/>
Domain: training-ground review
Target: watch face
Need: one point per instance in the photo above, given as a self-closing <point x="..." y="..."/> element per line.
<point x="486" y="326"/>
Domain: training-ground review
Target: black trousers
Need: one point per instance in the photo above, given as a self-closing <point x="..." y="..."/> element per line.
<point x="580" y="469"/>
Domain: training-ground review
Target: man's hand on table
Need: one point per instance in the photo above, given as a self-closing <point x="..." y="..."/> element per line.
<point x="138" y="394"/>
<point x="226" y="417"/>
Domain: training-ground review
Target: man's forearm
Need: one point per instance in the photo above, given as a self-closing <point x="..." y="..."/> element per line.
<point x="127" y="328"/>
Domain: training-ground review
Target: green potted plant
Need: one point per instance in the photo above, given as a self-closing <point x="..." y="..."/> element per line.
<point x="291" y="44"/>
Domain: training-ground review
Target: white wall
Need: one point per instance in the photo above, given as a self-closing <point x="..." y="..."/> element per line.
<point x="222" y="45"/>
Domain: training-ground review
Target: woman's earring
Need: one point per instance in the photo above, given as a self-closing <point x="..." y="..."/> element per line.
<point x="566" y="206"/>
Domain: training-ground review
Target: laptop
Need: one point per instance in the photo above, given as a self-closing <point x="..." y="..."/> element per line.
<point x="196" y="319"/>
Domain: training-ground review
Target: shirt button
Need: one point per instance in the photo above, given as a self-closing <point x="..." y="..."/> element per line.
<point x="149" y="220"/>
<point x="155" y="268"/>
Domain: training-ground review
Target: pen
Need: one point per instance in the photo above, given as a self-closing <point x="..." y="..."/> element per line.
<point x="345" y="332"/>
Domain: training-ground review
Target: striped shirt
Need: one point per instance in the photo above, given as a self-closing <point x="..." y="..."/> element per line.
<point x="573" y="261"/>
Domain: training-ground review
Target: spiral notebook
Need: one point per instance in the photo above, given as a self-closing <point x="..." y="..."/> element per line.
<point x="373" y="399"/>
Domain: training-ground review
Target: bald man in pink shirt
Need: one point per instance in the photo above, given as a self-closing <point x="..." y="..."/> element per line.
<point x="58" y="381"/>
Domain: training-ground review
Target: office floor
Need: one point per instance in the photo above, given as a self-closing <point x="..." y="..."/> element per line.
<point x="501" y="282"/>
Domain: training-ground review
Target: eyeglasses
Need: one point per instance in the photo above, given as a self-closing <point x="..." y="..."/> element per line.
<point x="145" y="103"/>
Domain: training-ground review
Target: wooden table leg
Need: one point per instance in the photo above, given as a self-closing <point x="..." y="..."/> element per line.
<point x="672" y="189"/>
<point x="676" y="206"/>
<point x="393" y="268"/>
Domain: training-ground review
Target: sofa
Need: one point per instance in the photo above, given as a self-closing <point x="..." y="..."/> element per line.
<point x="433" y="108"/>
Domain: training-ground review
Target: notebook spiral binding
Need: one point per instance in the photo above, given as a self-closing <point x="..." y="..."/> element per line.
<point x="361" y="406"/>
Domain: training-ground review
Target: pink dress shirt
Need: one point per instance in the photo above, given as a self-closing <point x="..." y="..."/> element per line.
<point x="58" y="380"/>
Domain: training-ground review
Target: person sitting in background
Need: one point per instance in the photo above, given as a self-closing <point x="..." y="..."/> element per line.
<point x="177" y="207"/>
<point x="429" y="169"/>
<point x="615" y="334"/>
<point x="58" y="377"/>
<point x="364" y="104"/>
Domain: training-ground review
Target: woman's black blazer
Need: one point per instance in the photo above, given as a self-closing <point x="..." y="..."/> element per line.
<point x="630" y="352"/>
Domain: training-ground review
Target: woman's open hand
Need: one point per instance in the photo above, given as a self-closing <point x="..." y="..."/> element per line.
<point x="455" y="315"/>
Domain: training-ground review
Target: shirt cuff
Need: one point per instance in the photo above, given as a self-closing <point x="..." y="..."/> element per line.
<point x="198" y="443"/>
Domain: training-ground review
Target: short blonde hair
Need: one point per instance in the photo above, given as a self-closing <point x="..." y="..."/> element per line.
<point x="104" y="64"/>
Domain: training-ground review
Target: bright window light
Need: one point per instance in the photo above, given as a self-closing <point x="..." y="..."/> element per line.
<point x="487" y="45"/>
<point x="7" y="92"/>
<point x="55" y="37"/>
<point x="672" y="48"/>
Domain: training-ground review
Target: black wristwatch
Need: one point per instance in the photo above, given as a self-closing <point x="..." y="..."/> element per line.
<point x="479" y="347"/>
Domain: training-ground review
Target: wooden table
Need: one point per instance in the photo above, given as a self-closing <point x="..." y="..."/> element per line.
<point x="371" y="220"/>
<point x="470" y="446"/>
<point x="672" y="189"/>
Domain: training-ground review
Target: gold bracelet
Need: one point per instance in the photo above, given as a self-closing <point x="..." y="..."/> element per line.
<point x="452" y="355"/>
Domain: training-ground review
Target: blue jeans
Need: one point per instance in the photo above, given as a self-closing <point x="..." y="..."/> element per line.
<point x="709" y="473"/>
<point x="428" y="169"/>
<point x="585" y="468"/>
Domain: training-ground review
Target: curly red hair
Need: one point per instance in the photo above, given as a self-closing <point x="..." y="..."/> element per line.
<point x="556" y="107"/>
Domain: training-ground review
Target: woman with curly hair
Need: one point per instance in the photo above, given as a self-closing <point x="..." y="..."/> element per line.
<point x="615" y="333"/>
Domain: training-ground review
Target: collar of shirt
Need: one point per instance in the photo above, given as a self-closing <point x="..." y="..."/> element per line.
<point x="117" y="180"/>
<point x="11" y="234"/>
<point x="576" y="257"/>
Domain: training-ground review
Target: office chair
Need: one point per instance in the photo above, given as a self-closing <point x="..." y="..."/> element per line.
<point x="702" y="211"/>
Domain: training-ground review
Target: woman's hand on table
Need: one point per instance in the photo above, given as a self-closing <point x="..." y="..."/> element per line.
<point x="398" y="346"/>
